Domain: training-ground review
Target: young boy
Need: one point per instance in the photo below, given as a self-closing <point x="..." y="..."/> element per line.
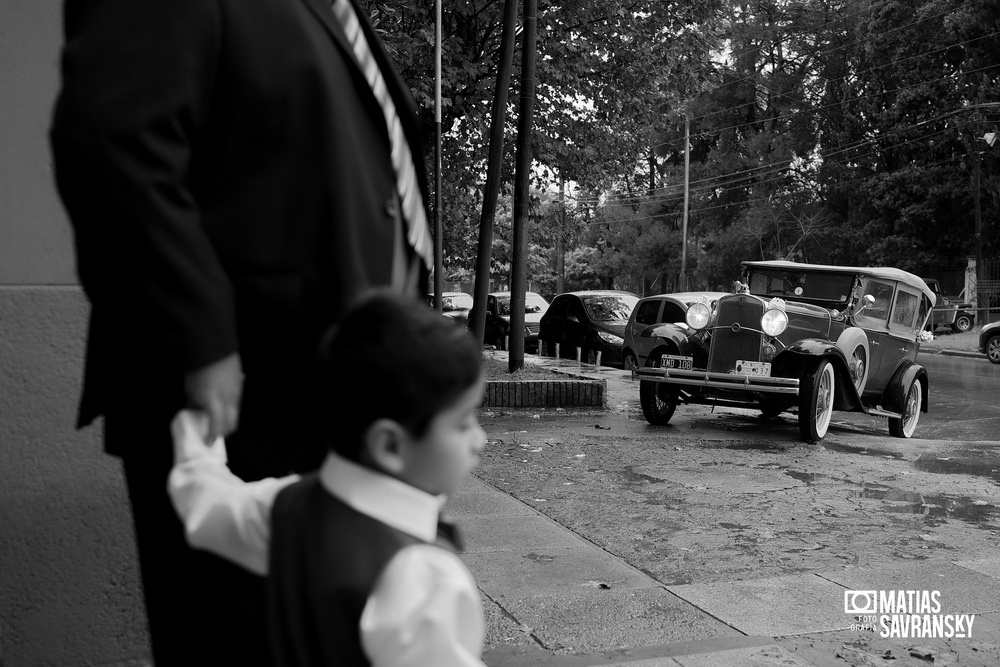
<point x="359" y="571"/>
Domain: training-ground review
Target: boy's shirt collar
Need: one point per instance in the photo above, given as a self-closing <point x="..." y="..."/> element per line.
<point x="382" y="497"/>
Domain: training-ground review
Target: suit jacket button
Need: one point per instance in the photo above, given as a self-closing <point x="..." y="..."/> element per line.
<point x="391" y="208"/>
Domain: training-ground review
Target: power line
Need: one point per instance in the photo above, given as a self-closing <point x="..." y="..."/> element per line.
<point x="742" y="181"/>
<point x="844" y="149"/>
<point x="714" y="182"/>
<point x="749" y="200"/>
<point x="841" y="102"/>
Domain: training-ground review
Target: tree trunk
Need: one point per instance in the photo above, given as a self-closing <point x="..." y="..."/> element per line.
<point x="518" y="268"/>
<point x="497" y="123"/>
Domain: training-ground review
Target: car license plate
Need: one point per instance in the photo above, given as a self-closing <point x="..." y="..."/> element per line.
<point x="756" y="368"/>
<point x="671" y="361"/>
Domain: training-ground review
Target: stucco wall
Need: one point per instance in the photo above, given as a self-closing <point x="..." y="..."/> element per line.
<point x="68" y="577"/>
<point x="69" y="588"/>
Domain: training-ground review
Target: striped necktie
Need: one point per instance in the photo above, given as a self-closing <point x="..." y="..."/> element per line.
<point x="418" y="233"/>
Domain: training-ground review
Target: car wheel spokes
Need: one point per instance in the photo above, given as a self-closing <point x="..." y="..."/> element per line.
<point x="816" y="402"/>
<point x="993" y="349"/>
<point x="858" y="368"/>
<point x="905" y="425"/>
<point x="824" y="402"/>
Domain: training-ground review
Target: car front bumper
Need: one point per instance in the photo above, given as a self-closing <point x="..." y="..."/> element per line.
<point x="708" y="379"/>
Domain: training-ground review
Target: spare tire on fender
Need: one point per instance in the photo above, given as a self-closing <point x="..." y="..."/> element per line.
<point x="854" y="344"/>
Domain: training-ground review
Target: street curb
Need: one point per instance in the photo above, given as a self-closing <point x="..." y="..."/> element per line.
<point x="957" y="353"/>
<point x="570" y="393"/>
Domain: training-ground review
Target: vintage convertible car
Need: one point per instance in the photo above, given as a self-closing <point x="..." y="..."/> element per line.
<point x="798" y="337"/>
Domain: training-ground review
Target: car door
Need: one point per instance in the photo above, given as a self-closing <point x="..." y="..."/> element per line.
<point x="553" y="325"/>
<point x="576" y="326"/>
<point x="647" y="312"/>
<point x="875" y="322"/>
<point x="905" y="316"/>
<point x="490" y="329"/>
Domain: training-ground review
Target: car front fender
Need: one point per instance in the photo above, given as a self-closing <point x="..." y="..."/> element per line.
<point x="798" y="357"/>
<point x="673" y="339"/>
<point x="668" y="332"/>
<point x="894" y="396"/>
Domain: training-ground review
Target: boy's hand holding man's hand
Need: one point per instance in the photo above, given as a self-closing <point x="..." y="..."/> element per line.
<point x="190" y="430"/>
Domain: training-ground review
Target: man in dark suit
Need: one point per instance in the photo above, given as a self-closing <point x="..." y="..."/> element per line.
<point x="232" y="186"/>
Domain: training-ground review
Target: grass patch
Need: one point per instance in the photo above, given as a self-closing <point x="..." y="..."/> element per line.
<point x="496" y="369"/>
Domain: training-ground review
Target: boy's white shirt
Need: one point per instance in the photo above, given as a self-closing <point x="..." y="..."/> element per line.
<point x="425" y="608"/>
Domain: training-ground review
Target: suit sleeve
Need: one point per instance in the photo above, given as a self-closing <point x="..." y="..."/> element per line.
<point x="138" y="80"/>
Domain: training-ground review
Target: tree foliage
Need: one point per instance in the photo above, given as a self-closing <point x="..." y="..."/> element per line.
<point x="841" y="131"/>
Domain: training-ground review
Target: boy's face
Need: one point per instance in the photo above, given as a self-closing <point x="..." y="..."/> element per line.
<point x="439" y="461"/>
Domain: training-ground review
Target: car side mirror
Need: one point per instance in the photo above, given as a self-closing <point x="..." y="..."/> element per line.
<point x="573" y="318"/>
<point x="867" y="301"/>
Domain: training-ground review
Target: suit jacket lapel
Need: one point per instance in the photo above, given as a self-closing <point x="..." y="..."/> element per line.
<point x="323" y="12"/>
<point x="406" y="107"/>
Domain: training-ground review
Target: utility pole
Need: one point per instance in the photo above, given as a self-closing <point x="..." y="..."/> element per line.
<point x="978" y="237"/>
<point x="560" y="237"/>
<point x="438" y="228"/>
<point x="687" y="180"/>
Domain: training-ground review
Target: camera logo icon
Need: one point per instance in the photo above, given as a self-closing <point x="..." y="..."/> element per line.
<point x="860" y="602"/>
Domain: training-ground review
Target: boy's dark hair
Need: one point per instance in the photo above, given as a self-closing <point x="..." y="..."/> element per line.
<point x="392" y="357"/>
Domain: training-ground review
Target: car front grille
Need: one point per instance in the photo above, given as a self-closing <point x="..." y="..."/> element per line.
<point x="736" y="334"/>
<point x="532" y="328"/>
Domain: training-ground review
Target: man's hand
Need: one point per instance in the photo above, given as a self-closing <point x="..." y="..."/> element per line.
<point x="216" y="389"/>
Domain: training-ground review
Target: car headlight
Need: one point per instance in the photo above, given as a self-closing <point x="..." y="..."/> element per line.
<point x="610" y="338"/>
<point x="698" y="315"/>
<point x="774" y="321"/>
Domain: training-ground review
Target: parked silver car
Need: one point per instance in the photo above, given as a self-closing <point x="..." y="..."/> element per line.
<point x="640" y="332"/>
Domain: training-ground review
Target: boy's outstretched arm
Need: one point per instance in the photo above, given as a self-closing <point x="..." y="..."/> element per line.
<point x="425" y="610"/>
<point x="221" y="513"/>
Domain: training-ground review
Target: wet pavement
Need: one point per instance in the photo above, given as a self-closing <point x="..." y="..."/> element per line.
<point x="720" y="539"/>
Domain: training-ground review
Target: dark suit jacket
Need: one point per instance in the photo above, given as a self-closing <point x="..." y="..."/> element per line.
<point x="227" y="173"/>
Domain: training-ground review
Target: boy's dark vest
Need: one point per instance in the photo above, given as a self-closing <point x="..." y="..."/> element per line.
<point x="325" y="558"/>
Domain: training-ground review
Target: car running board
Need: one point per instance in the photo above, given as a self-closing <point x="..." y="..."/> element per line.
<point x="879" y="412"/>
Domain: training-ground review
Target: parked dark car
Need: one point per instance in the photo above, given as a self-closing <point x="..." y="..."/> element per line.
<point x="807" y="338"/>
<point x="454" y="305"/>
<point x="640" y="336"/>
<point x="591" y="320"/>
<point x="989" y="341"/>
<point x="950" y="311"/>
<point x="497" y="329"/>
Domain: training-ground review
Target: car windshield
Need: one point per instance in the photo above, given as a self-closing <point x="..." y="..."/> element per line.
<point x="807" y="285"/>
<point x="609" y="307"/>
<point x="533" y="303"/>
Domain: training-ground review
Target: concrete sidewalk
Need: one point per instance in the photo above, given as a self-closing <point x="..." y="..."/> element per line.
<point x="571" y="603"/>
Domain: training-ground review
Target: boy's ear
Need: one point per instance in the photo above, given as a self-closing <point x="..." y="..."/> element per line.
<point x="384" y="445"/>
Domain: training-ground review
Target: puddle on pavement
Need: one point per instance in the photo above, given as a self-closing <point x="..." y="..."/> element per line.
<point x="640" y="478"/>
<point x="935" y="509"/>
<point x="758" y="446"/>
<point x="864" y="451"/>
<point x="733" y="526"/>
<point x="987" y="467"/>
<point x="807" y="477"/>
